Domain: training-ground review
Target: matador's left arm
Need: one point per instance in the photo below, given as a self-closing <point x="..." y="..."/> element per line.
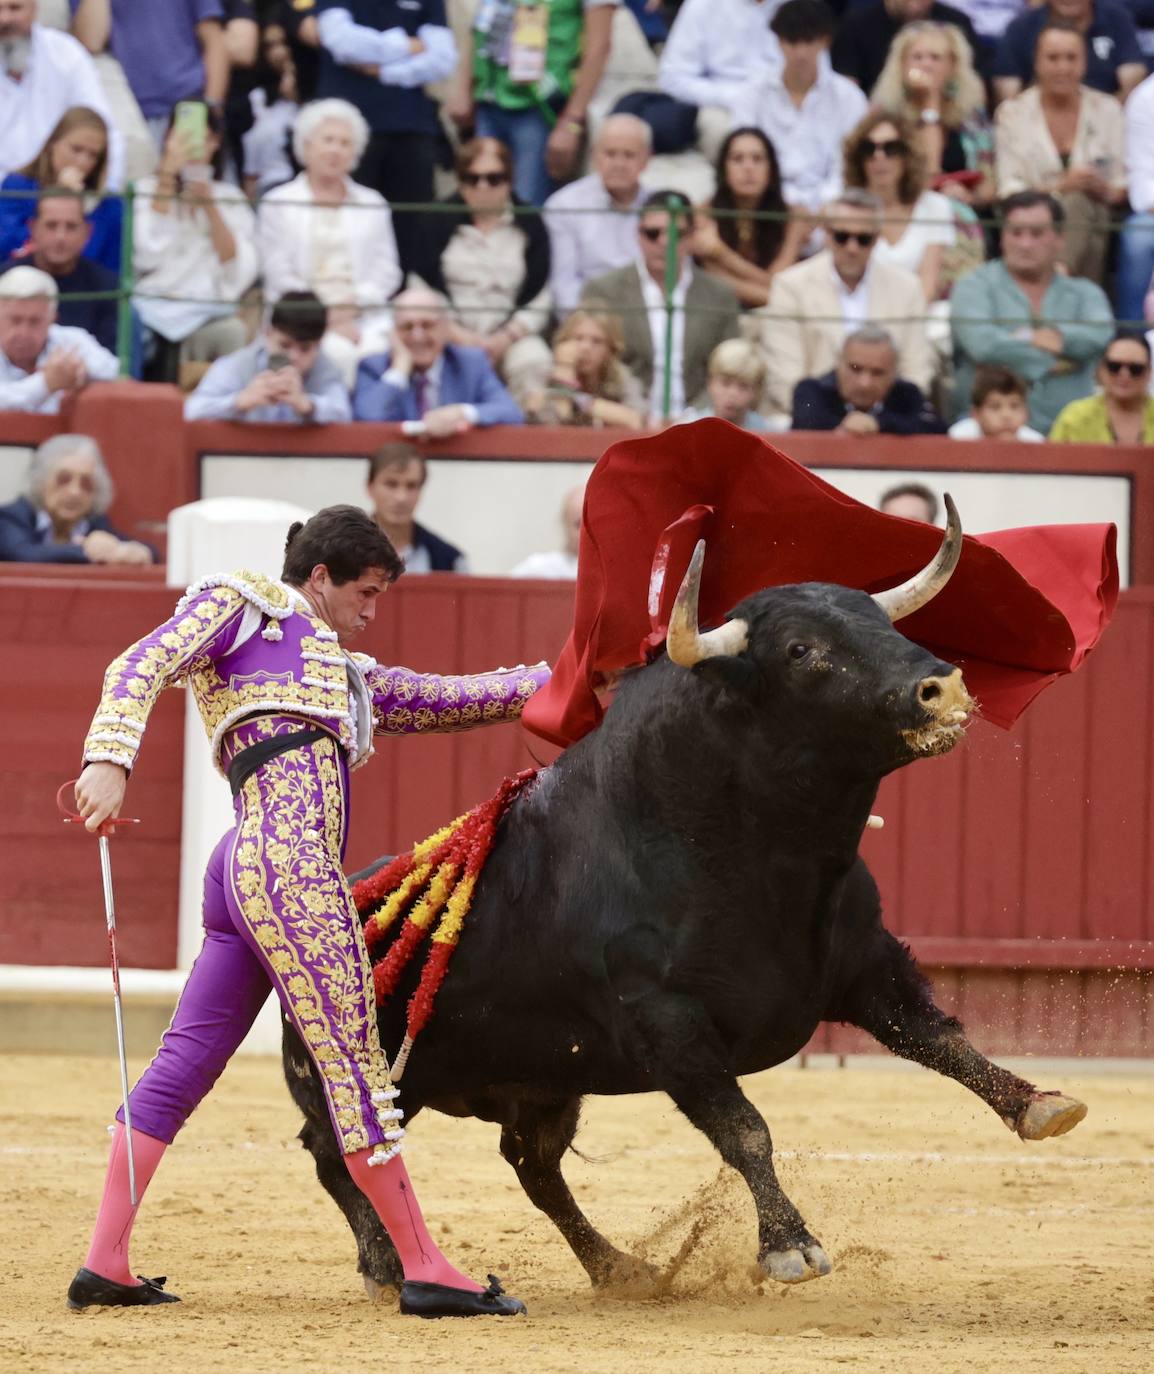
<point x="405" y="702"/>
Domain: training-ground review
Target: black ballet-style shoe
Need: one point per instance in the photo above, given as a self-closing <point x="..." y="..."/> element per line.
<point x="90" y="1290"/>
<point x="440" y="1300"/>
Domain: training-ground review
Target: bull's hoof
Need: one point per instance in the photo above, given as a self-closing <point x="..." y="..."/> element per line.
<point x="1049" y="1114"/>
<point x="380" y="1292"/>
<point x="796" y="1266"/>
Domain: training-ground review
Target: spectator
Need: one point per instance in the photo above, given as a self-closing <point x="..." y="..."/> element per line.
<point x="534" y="94"/>
<point x="1022" y="313"/>
<point x="558" y="564"/>
<point x="43" y="74"/>
<point x="379" y="57"/>
<point x="1114" y="61"/>
<point x="701" y="311"/>
<point x="493" y="265"/>
<point x="583" y="244"/>
<point x="322" y="232"/>
<point x="439" y="387"/>
<point x="755" y="236"/>
<point x="61" y="517"/>
<point x="814" y="305"/>
<point x="865" y="32"/>
<point x="804" y="108"/>
<point x="910" y="500"/>
<point x="990" y="19"/>
<point x="58" y="232"/>
<point x="1136" y="241"/>
<point x="42" y="362"/>
<point x="76" y="158"/>
<point x="397" y="476"/>
<point x="882" y="155"/>
<point x="281" y="377"/>
<point x="195" y="256"/>
<point x="274" y="102"/>
<point x="998" y="408"/>
<point x="1123" y="411"/>
<point x="929" y="78"/>
<point x="169" y="52"/>
<point x="736" y="386"/>
<point x="588" y="384"/>
<point x="864" y="394"/>
<point x="715" y="50"/>
<point x="1060" y="136"/>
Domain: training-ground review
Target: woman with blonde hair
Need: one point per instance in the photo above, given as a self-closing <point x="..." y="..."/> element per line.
<point x="929" y="78"/>
<point x="589" y="384"/>
<point x="75" y="157"/>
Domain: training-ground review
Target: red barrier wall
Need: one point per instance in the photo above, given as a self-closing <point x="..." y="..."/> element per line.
<point x="1028" y="848"/>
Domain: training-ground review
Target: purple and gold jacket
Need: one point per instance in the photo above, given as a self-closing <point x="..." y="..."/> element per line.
<point x="247" y="645"/>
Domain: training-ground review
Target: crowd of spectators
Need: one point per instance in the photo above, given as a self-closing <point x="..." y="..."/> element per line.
<point x="455" y="214"/>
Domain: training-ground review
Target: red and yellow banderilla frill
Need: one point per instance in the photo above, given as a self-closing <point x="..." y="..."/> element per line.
<point x="435" y="879"/>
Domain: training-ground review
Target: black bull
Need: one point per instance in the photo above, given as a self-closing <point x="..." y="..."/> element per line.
<point x="678" y="901"/>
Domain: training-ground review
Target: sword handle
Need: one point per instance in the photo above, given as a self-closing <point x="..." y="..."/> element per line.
<point x="75" y="818"/>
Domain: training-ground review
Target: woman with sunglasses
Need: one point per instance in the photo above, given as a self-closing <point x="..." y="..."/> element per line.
<point x="1123" y="411"/>
<point x="882" y="156"/>
<point x="754" y="236"/>
<point x="493" y="265"/>
<point x="1062" y="137"/>
<point x="929" y="78"/>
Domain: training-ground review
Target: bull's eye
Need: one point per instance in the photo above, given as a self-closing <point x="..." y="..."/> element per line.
<point x="797" y="650"/>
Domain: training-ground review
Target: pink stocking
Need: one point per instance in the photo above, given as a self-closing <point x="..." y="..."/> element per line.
<point x="108" y="1253"/>
<point x="389" y="1189"/>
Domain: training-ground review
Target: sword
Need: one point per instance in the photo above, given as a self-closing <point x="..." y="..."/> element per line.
<point x="104" y="834"/>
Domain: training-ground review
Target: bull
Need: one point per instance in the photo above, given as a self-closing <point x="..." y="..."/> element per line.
<point x="679" y="900"/>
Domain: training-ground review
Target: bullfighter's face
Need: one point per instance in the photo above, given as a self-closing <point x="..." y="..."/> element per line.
<point x="347" y="607"/>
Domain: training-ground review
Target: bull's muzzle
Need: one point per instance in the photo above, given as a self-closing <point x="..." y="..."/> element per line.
<point x="948" y="705"/>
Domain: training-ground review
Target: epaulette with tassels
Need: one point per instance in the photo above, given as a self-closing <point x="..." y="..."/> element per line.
<point x="436" y="878"/>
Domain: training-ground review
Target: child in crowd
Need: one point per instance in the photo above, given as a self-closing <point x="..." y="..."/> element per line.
<point x="998" y="408"/>
<point x="736" y="386"/>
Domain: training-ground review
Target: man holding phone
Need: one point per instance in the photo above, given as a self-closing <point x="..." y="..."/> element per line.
<point x="281" y="377"/>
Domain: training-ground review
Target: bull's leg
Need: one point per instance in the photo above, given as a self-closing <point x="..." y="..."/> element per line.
<point x="892" y="999"/>
<point x="687" y="1058"/>
<point x="534" y="1143"/>
<point x="377" y="1261"/>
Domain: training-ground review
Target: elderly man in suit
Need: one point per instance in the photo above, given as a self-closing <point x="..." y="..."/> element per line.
<point x="814" y="305"/>
<point x="444" y="388"/>
<point x="703" y="310"/>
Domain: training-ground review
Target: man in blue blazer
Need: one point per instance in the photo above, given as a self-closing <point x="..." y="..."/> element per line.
<point x="425" y="379"/>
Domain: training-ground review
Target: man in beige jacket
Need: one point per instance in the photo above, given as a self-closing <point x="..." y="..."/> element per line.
<point x="815" y="304"/>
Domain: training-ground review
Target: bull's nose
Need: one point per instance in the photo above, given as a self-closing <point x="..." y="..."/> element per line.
<point x="945" y="696"/>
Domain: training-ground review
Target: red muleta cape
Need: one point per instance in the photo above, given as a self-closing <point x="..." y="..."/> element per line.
<point x="1023" y="607"/>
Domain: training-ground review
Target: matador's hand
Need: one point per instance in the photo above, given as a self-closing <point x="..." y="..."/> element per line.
<point x="100" y="793"/>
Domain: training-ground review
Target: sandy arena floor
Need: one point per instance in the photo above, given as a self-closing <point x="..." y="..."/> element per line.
<point x="957" y="1248"/>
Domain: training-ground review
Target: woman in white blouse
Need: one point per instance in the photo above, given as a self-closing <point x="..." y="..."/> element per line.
<point x="323" y="232"/>
<point x="882" y="156"/>
<point x="194" y="252"/>
<point x="1060" y="136"/>
<point x="493" y="265"/>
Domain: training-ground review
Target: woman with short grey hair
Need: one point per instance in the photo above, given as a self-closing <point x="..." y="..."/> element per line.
<point x="62" y="516"/>
<point x="323" y="232"/>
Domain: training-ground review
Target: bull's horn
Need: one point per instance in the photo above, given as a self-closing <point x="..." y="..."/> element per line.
<point x="924" y="586"/>
<point x="685" y="644"/>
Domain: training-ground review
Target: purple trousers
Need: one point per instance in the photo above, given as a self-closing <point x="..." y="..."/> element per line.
<point x="278" y="915"/>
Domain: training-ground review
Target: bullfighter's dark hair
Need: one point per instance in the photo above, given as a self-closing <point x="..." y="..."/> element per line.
<point x="301" y="315"/>
<point x="346" y="540"/>
<point x="1027" y="200"/>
